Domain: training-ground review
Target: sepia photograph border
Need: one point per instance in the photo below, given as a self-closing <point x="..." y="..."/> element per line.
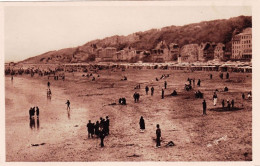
<point x="255" y="77"/>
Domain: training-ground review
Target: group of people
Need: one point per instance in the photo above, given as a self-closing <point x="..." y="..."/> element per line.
<point x="100" y="129"/>
<point x="136" y="97"/>
<point x="122" y="101"/>
<point x="147" y="90"/>
<point x="229" y="104"/>
<point x="221" y="75"/>
<point x="198" y="94"/>
<point x="34" y="110"/>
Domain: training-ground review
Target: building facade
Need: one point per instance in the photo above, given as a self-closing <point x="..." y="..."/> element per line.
<point x="189" y="53"/>
<point x="242" y="45"/>
<point x="219" y="51"/>
<point x="206" y="51"/>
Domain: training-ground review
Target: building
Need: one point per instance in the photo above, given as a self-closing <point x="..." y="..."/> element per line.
<point x="160" y="53"/>
<point x="106" y="54"/>
<point x="219" y="51"/>
<point x="189" y="53"/>
<point x="206" y="51"/>
<point x="242" y="45"/>
<point x="174" y="51"/>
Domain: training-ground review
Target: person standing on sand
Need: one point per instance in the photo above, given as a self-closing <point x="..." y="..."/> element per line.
<point x="158" y="136"/>
<point x="227" y="75"/>
<point x="37" y="111"/>
<point x="142" y="124"/>
<point x="162" y="93"/>
<point x="107" y="125"/>
<point x="215" y="99"/>
<point x="48" y="84"/>
<point x="68" y="104"/>
<point x="102" y="135"/>
<point x="152" y="90"/>
<point x="198" y="82"/>
<point x="146" y="90"/>
<point x="243" y="96"/>
<point x="223" y="103"/>
<point x="97" y="128"/>
<point x="165" y="84"/>
<point x="89" y="126"/>
<point x="232" y="103"/>
<point x="12" y="77"/>
<point x="204" y="104"/>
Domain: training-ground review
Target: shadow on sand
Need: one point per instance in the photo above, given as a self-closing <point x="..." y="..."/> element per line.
<point x="220" y="109"/>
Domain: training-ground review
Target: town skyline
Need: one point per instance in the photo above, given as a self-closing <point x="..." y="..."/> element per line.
<point x="15" y="38"/>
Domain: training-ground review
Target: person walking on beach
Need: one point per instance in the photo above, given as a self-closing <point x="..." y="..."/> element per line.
<point x="210" y="76"/>
<point x="48" y="84"/>
<point x="142" y="124"/>
<point x="158" y="136"/>
<point x="162" y="93"/>
<point x="215" y="98"/>
<point x="146" y="90"/>
<point x="68" y="104"/>
<point x="204" y="105"/>
<point x="152" y="90"/>
<point x="165" y="84"/>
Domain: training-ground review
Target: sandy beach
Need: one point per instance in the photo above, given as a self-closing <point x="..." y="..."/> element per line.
<point x="62" y="135"/>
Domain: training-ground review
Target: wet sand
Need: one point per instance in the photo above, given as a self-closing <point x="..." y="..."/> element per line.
<point x="219" y="136"/>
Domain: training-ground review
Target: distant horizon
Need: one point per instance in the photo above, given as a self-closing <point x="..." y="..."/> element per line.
<point x="42" y="30"/>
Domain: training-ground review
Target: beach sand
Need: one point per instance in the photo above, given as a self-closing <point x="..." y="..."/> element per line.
<point x="62" y="135"/>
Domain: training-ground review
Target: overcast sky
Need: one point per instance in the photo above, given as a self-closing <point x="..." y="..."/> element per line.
<point x="30" y="31"/>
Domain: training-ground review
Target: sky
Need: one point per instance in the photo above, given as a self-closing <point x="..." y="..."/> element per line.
<point x="33" y="30"/>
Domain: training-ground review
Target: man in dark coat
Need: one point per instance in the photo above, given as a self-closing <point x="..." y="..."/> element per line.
<point x="30" y="113"/>
<point x="165" y="84"/>
<point x="152" y="90"/>
<point x="90" y="126"/>
<point x="137" y="97"/>
<point x="198" y="82"/>
<point x="107" y="125"/>
<point x="37" y="111"/>
<point x="232" y="103"/>
<point x="146" y="90"/>
<point x="204" y="104"/>
<point x="227" y="76"/>
<point x="68" y="104"/>
<point x="102" y="135"/>
<point x="243" y="96"/>
<point x="142" y="124"/>
<point x="97" y="128"/>
<point x="162" y="93"/>
<point x="158" y="136"/>
<point x="223" y="103"/>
